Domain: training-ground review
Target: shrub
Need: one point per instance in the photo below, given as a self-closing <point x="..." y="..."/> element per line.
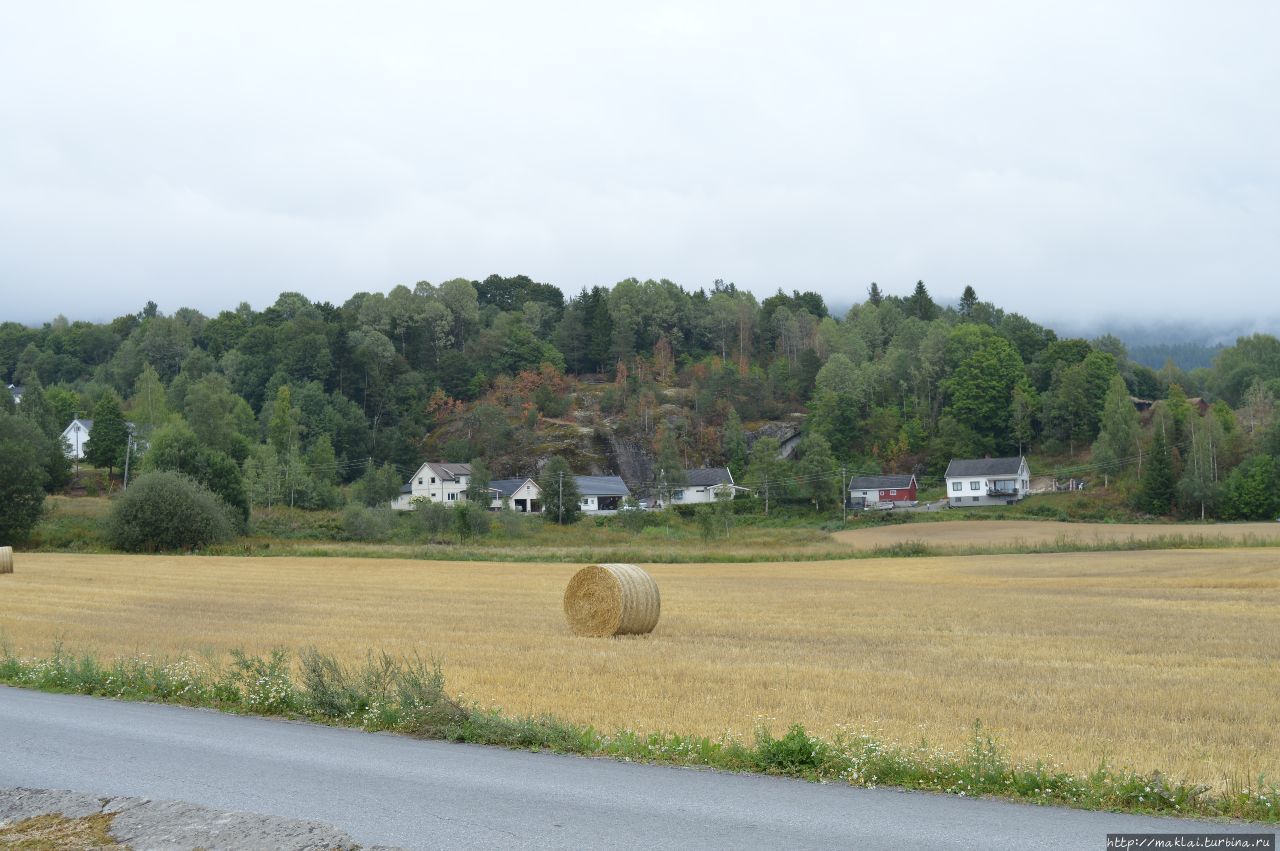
<point x="367" y="524"/>
<point x="22" y="477"/>
<point x="168" y="511"/>
<point x="432" y="518"/>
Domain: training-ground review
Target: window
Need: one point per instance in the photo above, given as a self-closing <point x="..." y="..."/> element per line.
<point x="893" y="492"/>
<point x="453" y="497"/>
<point x="419" y="481"/>
<point x="677" y="495"/>
<point x="977" y="499"/>
<point x="955" y="486"/>
<point x="974" y="486"/>
<point x="433" y="480"/>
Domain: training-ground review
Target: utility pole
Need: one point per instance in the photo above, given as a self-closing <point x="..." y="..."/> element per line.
<point x="560" y="501"/>
<point x="766" y="493"/>
<point x="128" y="444"/>
<point x="844" y="496"/>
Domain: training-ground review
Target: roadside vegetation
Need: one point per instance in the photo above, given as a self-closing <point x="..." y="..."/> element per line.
<point x="409" y="696"/>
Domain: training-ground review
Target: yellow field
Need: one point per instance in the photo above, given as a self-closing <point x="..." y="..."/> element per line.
<point x="1166" y="660"/>
<point x="970" y="534"/>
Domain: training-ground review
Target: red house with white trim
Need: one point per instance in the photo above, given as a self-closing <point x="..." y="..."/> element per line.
<point x="867" y="491"/>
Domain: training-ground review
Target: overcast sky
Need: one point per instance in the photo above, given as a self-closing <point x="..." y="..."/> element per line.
<point x="1078" y="162"/>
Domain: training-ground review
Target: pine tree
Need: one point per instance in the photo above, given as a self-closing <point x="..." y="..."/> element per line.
<point x="874" y="295"/>
<point x="968" y="301"/>
<point x="1155" y="495"/>
<point x="920" y="305"/>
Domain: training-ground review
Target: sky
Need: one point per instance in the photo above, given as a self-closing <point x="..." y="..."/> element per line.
<point x="1076" y="162"/>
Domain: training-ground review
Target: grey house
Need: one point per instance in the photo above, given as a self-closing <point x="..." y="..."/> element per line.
<point x="987" y="481"/>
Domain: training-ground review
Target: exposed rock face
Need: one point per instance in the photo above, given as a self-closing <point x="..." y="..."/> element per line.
<point x="786" y="432"/>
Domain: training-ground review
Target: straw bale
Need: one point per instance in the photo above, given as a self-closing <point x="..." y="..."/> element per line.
<point x="6" y="559"/>
<point x="604" y="600"/>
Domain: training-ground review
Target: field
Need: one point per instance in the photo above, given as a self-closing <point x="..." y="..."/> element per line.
<point x="1014" y="534"/>
<point x="1152" y="660"/>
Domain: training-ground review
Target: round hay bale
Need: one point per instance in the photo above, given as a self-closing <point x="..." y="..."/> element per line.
<point x="6" y="559"/>
<point x="611" y="599"/>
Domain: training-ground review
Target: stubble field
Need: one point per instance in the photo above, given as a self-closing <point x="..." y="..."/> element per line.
<point x="1152" y="660"/>
<point x="969" y="535"/>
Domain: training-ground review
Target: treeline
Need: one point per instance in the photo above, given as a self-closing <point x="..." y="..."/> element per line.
<point x="290" y="403"/>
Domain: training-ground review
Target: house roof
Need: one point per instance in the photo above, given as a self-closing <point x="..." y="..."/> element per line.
<point x="893" y="481"/>
<point x="984" y="466"/>
<point x="601" y="486"/>
<point x="448" y="472"/>
<point x="507" y="487"/>
<point x="708" y="477"/>
<point x="406" y="488"/>
<point x="87" y="425"/>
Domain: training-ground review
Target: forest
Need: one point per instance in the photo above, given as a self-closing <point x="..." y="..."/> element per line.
<point x="311" y="404"/>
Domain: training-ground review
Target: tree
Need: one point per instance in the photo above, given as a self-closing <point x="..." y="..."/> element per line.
<point x="920" y="304"/>
<point x="733" y="442"/>
<point x="980" y="387"/>
<point x="1178" y="411"/>
<point x="478" y="485"/>
<point x="968" y="301"/>
<point x="378" y="486"/>
<point x="1199" y="483"/>
<point x="874" y="295"/>
<point x="766" y="471"/>
<point x="1252" y="491"/>
<point x="22" y="477"/>
<point x="1117" y="443"/>
<point x="149" y="406"/>
<point x="1157" y="489"/>
<point x="815" y="472"/>
<point x="1022" y="410"/>
<point x="284" y="429"/>
<point x="668" y="471"/>
<point x="110" y="436"/>
<point x="561" y="502"/>
<point x="168" y="511"/>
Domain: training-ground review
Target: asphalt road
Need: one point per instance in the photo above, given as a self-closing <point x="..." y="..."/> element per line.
<point x="384" y="789"/>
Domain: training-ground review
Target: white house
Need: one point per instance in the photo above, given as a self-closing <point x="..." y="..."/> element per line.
<point x="704" y="484"/>
<point x="76" y="437"/>
<point x="16" y="392"/>
<point x="521" y="495"/>
<point x="601" y="493"/>
<point x="435" y="481"/>
<point x="987" y="481"/>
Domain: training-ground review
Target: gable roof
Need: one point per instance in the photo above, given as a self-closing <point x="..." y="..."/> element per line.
<point x="601" y="486"/>
<point x="892" y="481"/>
<point x="708" y="477"/>
<point x="448" y="472"/>
<point x="85" y="424"/>
<point x="984" y="466"/>
<point x="508" y="487"/>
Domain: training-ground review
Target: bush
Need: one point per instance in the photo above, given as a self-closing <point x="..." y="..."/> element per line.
<point x="168" y="511"/>
<point x="432" y="518"/>
<point x="22" y="477"/>
<point x="367" y="524"/>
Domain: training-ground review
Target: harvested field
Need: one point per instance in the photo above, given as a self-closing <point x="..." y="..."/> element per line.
<point x="971" y="534"/>
<point x="1160" y="659"/>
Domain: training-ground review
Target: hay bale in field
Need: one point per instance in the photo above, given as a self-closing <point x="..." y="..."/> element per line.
<point x="611" y="599"/>
<point x="6" y="559"/>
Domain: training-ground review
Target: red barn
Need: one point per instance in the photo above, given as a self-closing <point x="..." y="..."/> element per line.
<point x="866" y="491"/>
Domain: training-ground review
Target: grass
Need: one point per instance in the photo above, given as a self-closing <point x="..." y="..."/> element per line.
<point x="1147" y="660"/>
<point x="408" y="696"/>
<point x="58" y="833"/>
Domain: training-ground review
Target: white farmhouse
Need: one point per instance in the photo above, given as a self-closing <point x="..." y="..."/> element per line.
<point x="704" y="484"/>
<point x="435" y="481"/>
<point x="987" y="481"/>
<point x="16" y="392"/>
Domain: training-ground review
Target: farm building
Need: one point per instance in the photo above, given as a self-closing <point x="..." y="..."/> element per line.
<point x="435" y="481"/>
<point x="601" y="493"/>
<point x="522" y="495"/>
<point x="704" y="484"/>
<point x="868" y="491"/>
<point x="987" y="481"/>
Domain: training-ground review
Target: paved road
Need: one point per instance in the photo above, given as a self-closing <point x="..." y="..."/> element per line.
<point x="384" y="789"/>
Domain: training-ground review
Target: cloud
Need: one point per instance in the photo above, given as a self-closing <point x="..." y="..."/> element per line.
<point x="1074" y="163"/>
